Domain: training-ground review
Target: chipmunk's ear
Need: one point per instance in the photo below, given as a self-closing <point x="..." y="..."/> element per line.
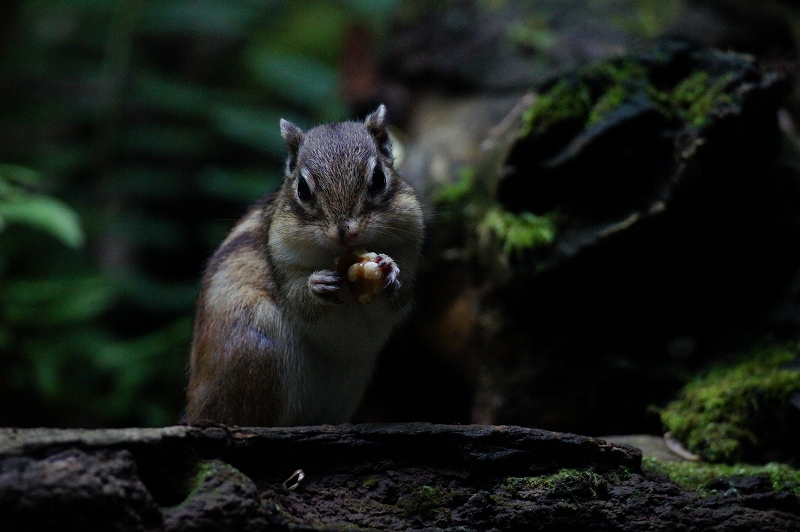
<point x="376" y="125"/>
<point x="293" y="136"/>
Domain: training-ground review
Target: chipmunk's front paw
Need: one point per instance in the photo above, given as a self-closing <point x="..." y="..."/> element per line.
<point x="390" y="273"/>
<point x="325" y="285"/>
<point x="369" y="275"/>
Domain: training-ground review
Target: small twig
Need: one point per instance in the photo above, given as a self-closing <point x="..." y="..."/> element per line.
<point x="299" y="474"/>
<point x="505" y="124"/>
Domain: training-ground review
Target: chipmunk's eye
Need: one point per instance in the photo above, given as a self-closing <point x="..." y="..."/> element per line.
<point x="303" y="190"/>
<point x="378" y="182"/>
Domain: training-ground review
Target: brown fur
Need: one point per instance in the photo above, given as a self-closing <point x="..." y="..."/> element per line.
<point x="223" y="349"/>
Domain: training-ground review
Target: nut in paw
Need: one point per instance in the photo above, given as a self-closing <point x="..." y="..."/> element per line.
<point x="368" y="274"/>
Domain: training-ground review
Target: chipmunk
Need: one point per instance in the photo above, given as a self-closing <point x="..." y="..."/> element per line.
<point x="278" y="338"/>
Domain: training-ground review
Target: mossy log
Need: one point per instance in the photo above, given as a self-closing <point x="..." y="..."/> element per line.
<point x="392" y="477"/>
<point x="619" y="228"/>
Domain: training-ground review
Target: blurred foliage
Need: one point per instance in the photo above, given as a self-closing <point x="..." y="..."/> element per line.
<point x="19" y="205"/>
<point x="154" y="123"/>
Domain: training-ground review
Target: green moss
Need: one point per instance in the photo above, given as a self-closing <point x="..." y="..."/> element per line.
<point x="603" y="86"/>
<point x="600" y="88"/>
<point x="569" y="99"/>
<point x="209" y="475"/>
<point x="731" y="410"/>
<point x="205" y="469"/>
<point x="424" y="500"/>
<point x="696" y="96"/>
<point x="696" y="476"/>
<point x="458" y="192"/>
<point x="564" y="483"/>
<point x="465" y="203"/>
<point x="618" y="81"/>
<point x="462" y="201"/>
<point x="692" y="99"/>
<point x="519" y="232"/>
<point x="613" y="98"/>
<point x="582" y="100"/>
<point x="369" y="482"/>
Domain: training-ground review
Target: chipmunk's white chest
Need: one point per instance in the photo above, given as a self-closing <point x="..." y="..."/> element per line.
<point x="334" y="345"/>
<point x="351" y="330"/>
<point x="340" y="349"/>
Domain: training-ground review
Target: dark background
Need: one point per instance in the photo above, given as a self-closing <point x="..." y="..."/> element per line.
<point x="156" y="123"/>
<point x="133" y="134"/>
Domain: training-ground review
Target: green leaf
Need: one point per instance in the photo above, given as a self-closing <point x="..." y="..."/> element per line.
<point x="253" y="127"/>
<point x="167" y="140"/>
<point x="238" y="186"/>
<point x="45" y="369"/>
<point x="159" y="296"/>
<point x="311" y="28"/>
<point x="176" y="335"/>
<point x="68" y="158"/>
<point x="144" y="182"/>
<point x="300" y="79"/>
<point x="173" y="96"/>
<point x="43" y="213"/>
<point x="20" y="175"/>
<point x="203" y="18"/>
<point x="55" y="301"/>
<point x="5" y="338"/>
<point x="148" y="230"/>
<point x="372" y="8"/>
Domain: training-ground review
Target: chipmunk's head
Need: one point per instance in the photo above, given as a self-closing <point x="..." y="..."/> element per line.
<point x="340" y="184"/>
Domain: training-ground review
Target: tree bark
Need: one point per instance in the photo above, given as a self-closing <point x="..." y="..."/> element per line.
<point x="393" y="476"/>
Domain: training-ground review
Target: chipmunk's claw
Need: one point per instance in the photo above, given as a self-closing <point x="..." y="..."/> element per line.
<point x="325" y="285"/>
<point x="390" y="272"/>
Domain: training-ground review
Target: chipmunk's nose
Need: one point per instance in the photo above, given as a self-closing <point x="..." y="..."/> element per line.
<point x="348" y="233"/>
